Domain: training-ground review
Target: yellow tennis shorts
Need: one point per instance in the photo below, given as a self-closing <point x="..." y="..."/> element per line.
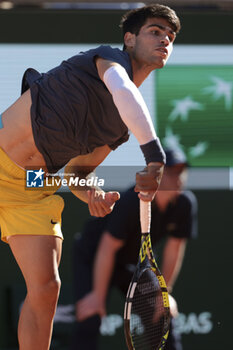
<point x="25" y="211"/>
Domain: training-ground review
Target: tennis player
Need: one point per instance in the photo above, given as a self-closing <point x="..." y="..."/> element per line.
<point x="75" y="114"/>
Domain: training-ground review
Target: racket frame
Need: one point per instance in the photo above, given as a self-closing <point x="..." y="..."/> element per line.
<point x="146" y="261"/>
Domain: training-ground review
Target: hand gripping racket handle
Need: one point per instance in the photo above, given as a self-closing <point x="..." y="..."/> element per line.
<point x="145" y="215"/>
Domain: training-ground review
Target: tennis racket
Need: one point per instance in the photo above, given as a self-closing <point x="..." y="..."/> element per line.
<point x="146" y="313"/>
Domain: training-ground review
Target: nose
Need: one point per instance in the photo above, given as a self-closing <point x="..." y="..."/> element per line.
<point x="165" y="40"/>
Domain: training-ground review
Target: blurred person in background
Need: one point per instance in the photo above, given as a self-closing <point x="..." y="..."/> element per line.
<point x="106" y="253"/>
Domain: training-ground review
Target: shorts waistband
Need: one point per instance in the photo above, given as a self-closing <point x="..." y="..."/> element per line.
<point x="10" y="166"/>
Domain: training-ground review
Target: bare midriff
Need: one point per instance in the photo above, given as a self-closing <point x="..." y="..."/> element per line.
<point x="16" y="136"/>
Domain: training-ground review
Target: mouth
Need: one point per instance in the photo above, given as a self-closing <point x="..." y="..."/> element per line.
<point x="163" y="51"/>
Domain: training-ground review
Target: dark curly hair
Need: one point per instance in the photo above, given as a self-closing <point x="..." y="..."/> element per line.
<point x="133" y="20"/>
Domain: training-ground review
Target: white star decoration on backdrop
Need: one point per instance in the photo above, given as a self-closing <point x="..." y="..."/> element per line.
<point x="220" y="88"/>
<point x="171" y="140"/>
<point x="39" y="173"/>
<point x="198" y="150"/>
<point x="183" y="107"/>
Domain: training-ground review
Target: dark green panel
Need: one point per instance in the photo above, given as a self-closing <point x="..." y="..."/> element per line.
<point x="204" y="285"/>
<point x="206" y="28"/>
<point x="79" y="26"/>
<point x="40" y="26"/>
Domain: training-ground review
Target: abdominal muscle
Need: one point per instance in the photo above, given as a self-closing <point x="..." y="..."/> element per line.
<point x="16" y="136"/>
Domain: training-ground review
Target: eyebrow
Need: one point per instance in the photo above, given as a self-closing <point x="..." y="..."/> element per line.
<point x="162" y="27"/>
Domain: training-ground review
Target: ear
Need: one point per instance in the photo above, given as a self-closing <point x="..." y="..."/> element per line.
<point x="129" y="39"/>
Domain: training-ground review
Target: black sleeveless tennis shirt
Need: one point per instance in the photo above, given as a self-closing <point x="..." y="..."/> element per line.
<point x="72" y="111"/>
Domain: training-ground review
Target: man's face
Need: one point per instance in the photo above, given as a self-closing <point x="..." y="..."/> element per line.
<point x="154" y="43"/>
<point x="174" y="179"/>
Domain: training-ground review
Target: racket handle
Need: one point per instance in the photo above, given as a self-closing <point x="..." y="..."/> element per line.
<point x="145" y="216"/>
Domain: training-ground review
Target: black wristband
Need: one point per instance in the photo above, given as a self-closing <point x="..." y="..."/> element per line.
<point x="153" y="152"/>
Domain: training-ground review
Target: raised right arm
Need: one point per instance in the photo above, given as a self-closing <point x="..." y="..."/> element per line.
<point x="135" y="114"/>
<point x="131" y="107"/>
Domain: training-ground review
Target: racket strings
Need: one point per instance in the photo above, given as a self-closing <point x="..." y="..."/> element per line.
<point x="147" y="313"/>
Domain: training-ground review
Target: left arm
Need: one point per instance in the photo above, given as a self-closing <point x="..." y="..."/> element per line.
<point x="99" y="202"/>
<point x="174" y="250"/>
<point x="173" y="255"/>
<point x="94" y="302"/>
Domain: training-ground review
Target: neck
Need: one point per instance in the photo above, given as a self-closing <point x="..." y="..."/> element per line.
<point x="161" y="202"/>
<point x="163" y="198"/>
<point x="140" y="71"/>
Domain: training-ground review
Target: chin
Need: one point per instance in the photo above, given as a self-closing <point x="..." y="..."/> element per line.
<point x="160" y="64"/>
